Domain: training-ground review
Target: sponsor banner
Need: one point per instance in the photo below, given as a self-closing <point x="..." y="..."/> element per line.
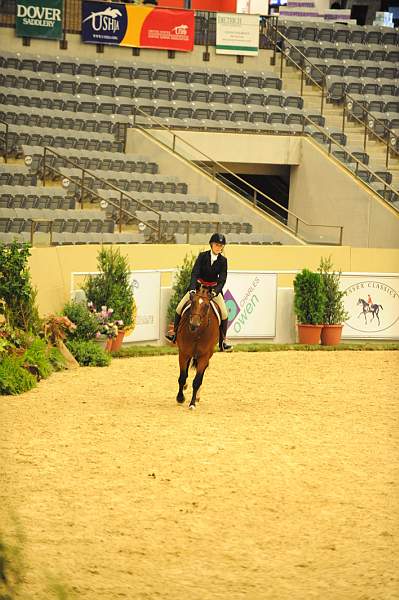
<point x="138" y="26"/>
<point x="237" y="34"/>
<point x="372" y="303"/>
<point x="251" y="301"/>
<point x="147" y="294"/>
<point x="39" y="19"/>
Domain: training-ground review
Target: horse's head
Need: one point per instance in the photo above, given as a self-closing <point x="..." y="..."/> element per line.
<point x="200" y="304"/>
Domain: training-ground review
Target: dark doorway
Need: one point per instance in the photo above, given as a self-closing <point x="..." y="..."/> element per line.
<point x="274" y="186"/>
<point x="359" y="12"/>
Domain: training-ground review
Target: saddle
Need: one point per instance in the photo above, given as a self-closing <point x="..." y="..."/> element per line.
<point x="214" y="306"/>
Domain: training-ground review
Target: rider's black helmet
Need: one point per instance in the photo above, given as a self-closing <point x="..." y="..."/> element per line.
<point x="217" y="238"/>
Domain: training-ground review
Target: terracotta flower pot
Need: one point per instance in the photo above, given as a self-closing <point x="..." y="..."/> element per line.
<point x="117" y="342"/>
<point x="331" y="335"/>
<point x="309" y="334"/>
<point x="108" y="345"/>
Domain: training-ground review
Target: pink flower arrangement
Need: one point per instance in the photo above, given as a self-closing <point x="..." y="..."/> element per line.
<point x="107" y="326"/>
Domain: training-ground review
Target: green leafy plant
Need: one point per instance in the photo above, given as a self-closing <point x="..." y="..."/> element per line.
<point x="88" y="354"/>
<point x="86" y="322"/>
<point x="112" y="287"/>
<point x="309" y="298"/>
<point x="36" y="359"/>
<point x="16" y="289"/>
<point x="334" y="312"/>
<point x="14" y="379"/>
<point x="180" y="285"/>
<point x="56" y="359"/>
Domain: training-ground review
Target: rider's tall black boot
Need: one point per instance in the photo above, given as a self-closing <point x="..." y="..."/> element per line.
<point x="223" y="345"/>
<point x="172" y="336"/>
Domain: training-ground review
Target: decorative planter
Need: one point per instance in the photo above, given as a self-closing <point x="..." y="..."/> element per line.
<point x="309" y="334"/>
<point x="117" y="342"/>
<point x="331" y="335"/>
<point x="108" y="345"/>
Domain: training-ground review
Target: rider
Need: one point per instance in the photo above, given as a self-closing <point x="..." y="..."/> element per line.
<point x="211" y="266"/>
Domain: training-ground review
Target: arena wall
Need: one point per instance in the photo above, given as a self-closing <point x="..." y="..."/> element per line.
<point x="52" y="268"/>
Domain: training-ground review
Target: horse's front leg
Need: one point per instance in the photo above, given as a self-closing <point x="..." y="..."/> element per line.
<point x="184" y="362"/>
<point x="197" y="382"/>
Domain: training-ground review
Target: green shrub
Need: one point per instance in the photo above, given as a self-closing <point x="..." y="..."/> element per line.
<point x="112" y="287"/>
<point x="334" y="308"/>
<point x="88" y="354"/>
<point x="16" y="287"/>
<point x="85" y="321"/>
<point x="309" y="298"/>
<point x="14" y="379"/>
<point x="180" y="286"/>
<point x="56" y="359"/>
<point x="36" y="356"/>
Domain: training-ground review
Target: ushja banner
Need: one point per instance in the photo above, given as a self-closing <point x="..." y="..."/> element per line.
<point x="140" y="26"/>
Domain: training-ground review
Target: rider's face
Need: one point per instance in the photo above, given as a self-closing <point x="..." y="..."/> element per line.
<point x="216" y="248"/>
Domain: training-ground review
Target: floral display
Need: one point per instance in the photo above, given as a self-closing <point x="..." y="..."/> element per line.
<point x="108" y="326"/>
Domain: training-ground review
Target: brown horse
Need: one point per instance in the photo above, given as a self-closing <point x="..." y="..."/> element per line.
<point x="197" y="335"/>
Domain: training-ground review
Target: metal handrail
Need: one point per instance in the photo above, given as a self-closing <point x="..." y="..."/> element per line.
<point x="390" y="133"/>
<point x="5" y="155"/>
<point x="285" y="54"/>
<point x="256" y="192"/>
<point x="83" y="187"/>
<point x="356" y="160"/>
<point x="323" y="87"/>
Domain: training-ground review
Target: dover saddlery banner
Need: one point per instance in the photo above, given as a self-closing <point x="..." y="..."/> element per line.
<point x="251" y="301"/>
<point x="237" y="34"/>
<point x="39" y="19"/>
<point x="141" y="26"/>
<point x="147" y="294"/>
<point x="372" y="303"/>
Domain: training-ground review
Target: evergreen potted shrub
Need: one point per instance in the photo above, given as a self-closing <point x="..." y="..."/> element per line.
<point x="309" y="300"/>
<point x="112" y="289"/>
<point x="180" y="287"/>
<point x="334" y="313"/>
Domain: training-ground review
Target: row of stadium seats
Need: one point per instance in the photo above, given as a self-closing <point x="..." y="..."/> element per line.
<point x="168" y="202"/>
<point x="350" y="68"/>
<point x="20" y="135"/>
<point x="14" y="196"/>
<point x="78" y="238"/>
<point x="100" y="86"/>
<point x="334" y="51"/>
<point x="338" y="32"/>
<point x="92" y="160"/>
<point x="16" y="220"/>
<point x="62" y="119"/>
<point x="138" y="71"/>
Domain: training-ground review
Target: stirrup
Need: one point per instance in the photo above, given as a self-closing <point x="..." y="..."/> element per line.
<point x="225" y="347"/>
<point x="171" y="337"/>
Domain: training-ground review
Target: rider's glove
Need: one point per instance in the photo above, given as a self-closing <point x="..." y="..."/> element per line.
<point x="213" y="293"/>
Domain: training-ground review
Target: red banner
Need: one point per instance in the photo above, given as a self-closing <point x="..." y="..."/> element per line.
<point x="169" y="29"/>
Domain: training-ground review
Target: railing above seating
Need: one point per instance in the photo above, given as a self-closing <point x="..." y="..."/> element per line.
<point x="215" y="170"/>
<point x="287" y="50"/>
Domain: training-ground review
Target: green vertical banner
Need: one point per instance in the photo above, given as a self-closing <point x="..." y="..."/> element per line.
<point x="39" y="19"/>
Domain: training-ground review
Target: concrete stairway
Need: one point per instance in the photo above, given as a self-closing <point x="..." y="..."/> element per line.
<point x="333" y="114"/>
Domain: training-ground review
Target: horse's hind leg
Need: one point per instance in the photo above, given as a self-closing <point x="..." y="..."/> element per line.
<point x="197" y="382"/>
<point x="184" y="362"/>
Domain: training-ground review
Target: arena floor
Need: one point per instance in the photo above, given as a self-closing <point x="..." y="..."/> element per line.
<point x="281" y="485"/>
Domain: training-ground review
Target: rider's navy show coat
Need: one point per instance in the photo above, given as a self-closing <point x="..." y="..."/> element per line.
<point x="203" y="269"/>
